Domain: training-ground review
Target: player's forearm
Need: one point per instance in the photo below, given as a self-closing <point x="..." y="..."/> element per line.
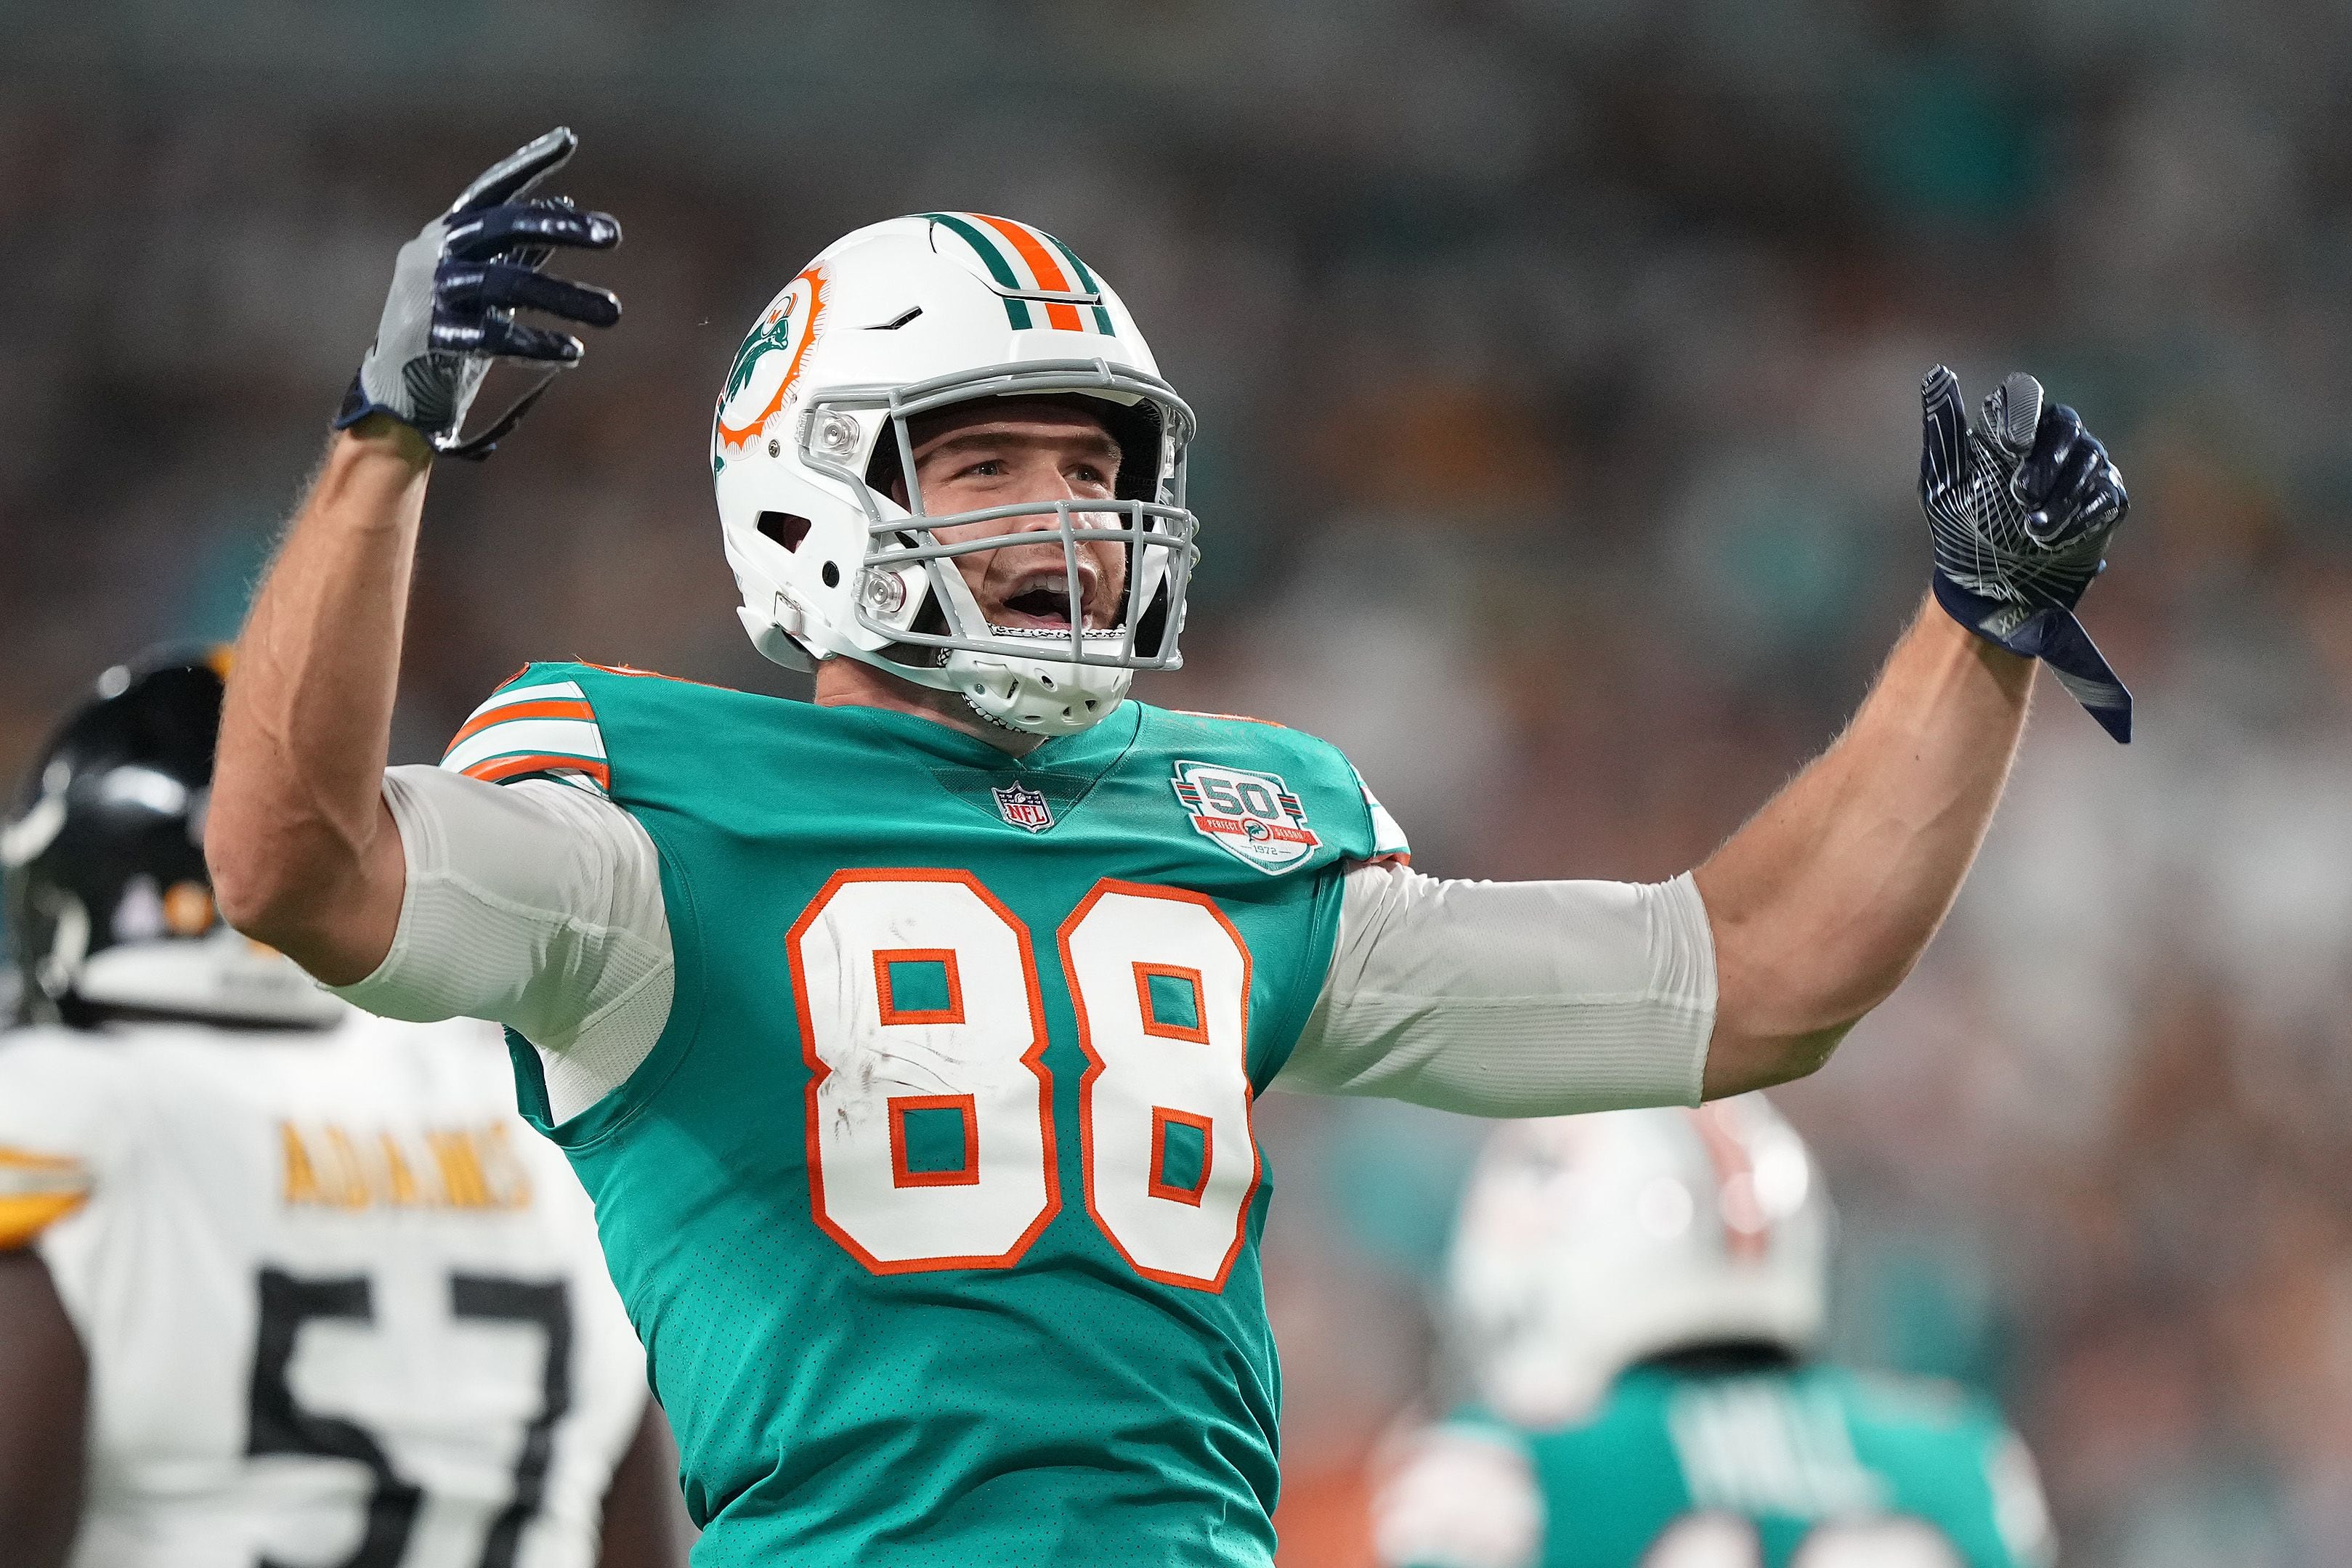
<point x="44" y="1417"/>
<point x="643" y="1517"/>
<point x="1824" y="901"/>
<point x="304" y="855"/>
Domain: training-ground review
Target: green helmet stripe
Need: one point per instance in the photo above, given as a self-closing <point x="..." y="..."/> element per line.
<point x="1016" y="311"/>
<point x="1102" y="317"/>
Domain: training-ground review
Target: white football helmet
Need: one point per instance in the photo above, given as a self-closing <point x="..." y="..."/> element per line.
<point x="1587" y="1243"/>
<point x="896" y="320"/>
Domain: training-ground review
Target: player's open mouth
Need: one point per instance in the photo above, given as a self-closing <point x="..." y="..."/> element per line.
<point x="1041" y="599"/>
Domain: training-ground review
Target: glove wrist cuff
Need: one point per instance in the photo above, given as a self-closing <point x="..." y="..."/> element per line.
<point x="2053" y="635"/>
<point x="357" y="406"/>
<point x="1994" y="619"/>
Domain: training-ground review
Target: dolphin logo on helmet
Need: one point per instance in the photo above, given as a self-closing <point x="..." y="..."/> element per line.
<point x="896" y="320"/>
<point x="769" y="364"/>
<point x="775" y="332"/>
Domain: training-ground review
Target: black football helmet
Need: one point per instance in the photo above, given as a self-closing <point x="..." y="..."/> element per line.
<point x="110" y="908"/>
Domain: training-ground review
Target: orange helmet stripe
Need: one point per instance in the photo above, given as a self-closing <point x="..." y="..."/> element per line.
<point x="1043" y="268"/>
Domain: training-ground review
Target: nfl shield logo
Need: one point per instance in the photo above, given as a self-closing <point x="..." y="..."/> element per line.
<point x="1023" y="807"/>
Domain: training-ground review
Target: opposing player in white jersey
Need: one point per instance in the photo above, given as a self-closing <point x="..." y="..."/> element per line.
<point x="280" y="1284"/>
<point x="1633" y="1301"/>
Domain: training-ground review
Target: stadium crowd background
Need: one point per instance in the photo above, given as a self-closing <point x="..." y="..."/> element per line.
<point x="1557" y="362"/>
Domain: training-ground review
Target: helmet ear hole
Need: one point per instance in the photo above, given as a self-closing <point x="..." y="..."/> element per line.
<point x="786" y="528"/>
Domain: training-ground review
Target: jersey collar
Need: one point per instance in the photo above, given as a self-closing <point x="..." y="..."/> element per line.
<point x="1091" y="750"/>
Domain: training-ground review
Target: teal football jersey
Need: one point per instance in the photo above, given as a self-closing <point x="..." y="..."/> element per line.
<point x="937" y="1204"/>
<point x="1812" y="1467"/>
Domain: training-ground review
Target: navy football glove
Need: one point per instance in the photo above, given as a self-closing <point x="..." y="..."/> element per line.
<point x="455" y="291"/>
<point x="2021" y="513"/>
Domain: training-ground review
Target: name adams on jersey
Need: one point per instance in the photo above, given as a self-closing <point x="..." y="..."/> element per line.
<point x="337" y="1305"/>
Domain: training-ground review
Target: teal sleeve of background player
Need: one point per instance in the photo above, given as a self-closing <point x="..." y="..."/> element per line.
<point x="1949" y="1459"/>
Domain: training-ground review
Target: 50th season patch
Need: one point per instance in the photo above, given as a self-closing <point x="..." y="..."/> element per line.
<point x="1253" y="816"/>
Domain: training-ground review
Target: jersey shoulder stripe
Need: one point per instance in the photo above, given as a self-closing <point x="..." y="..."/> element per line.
<point x="534" y="729"/>
<point x="36" y="1190"/>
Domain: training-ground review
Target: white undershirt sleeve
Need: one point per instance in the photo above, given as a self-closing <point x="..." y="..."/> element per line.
<point x="1513" y="998"/>
<point x="537" y="905"/>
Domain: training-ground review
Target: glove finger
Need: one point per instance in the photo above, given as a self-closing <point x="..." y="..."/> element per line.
<point x="2013" y="412"/>
<point x="2055" y="444"/>
<point x="2083" y="471"/>
<point x="464" y="286"/>
<point x="2114" y="479"/>
<point x="518" y="172"/>
<point x="512" y="340"/>
<point x="505" y="338"/>
<point x="523" y="224"/>
<point x="538" y="255"/>
<point x="2108" y="504"/>
<point x="1944" y="436"/>
<point x="2099" y="500"/>
<point x="2089" y="495"/>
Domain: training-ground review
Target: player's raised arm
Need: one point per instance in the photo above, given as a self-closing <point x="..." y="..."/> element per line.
<point x="304" y="852"/>
<point x="1826" y="898"/>
<point x="1534" y="998"/>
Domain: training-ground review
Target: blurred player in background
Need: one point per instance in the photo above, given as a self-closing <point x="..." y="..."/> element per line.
<point x="1634" y="1300"/>
<point x="280" y="1283"/>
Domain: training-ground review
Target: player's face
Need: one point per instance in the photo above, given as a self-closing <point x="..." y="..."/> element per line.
<point x="1012" y="450"/>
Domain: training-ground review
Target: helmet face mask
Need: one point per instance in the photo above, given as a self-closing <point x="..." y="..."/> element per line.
<point x="834" y="565"/>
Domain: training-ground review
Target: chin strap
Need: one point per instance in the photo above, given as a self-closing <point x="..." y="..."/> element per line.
<point x="991" y="718"/>
<point x="939" y="661"/>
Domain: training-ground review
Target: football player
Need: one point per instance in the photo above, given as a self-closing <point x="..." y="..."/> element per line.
<point x="906" y="1040"/>
<point x="280" y="1283"/>
<point x="1634" y="1300"/>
